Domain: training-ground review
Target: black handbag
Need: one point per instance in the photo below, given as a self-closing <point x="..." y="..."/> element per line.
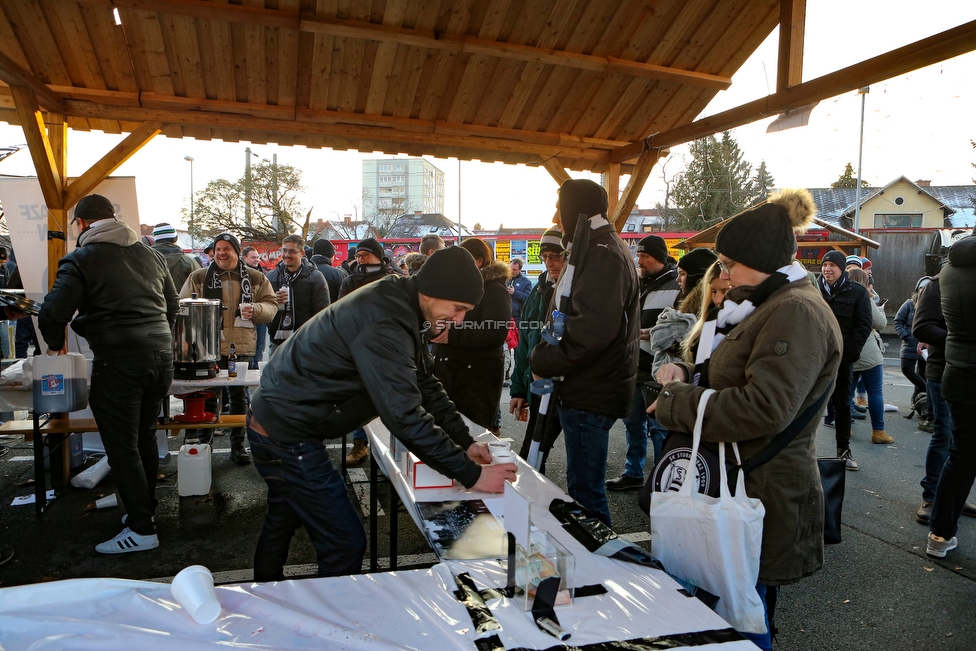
<point x="833" y="475"/>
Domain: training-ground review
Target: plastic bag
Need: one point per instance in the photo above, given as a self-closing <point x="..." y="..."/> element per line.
<point x="714" y="542"/>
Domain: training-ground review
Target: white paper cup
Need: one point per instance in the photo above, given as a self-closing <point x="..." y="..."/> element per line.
<point x="193" y="588"/>
<point x="107" y="502"/>
<point x="503" y="456"/>
<point x="243" y="305"/>
<point x="498" y="446"/>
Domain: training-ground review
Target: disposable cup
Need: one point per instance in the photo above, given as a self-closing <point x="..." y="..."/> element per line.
<point x="503" y="456"/>
<point x="193" y="588"/>
<point x="107" y="502"/>
<point x="243" y="305"/>
<point x="498" y="446"/>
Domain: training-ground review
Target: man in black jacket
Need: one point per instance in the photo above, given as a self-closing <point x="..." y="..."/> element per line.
<point x="322" y="253"/>
<point x="126" y="304"/>
<point x="597" y="356"/>
<point x="364" y="356"/>
<point x="180" y="265"/>
<point x="372" y="264"/>
<point x="851" y="305"/>
<point x="300" y="289"/>
<point x="958" y="288"/>
<point x="659" y="289"/>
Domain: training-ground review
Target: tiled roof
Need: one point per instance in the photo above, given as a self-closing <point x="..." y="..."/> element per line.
<point x="413" y="225"/>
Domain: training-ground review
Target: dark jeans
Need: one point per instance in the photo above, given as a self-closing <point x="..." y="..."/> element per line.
<point x="938" y="452"/>
<point x="841" y="400"/>
<point x="261" y="329"/>
<point x="959" y="471"/>
<point x="636" y="427"/>
<point x="587" y="436"/>
<point x="24" y="336"/>
<point x="873" y="383"/>
<point x="305" y="489"/>
<point x="125" y="398"/>
<point x="909" y="368"/>
<point x="239" y="399"/>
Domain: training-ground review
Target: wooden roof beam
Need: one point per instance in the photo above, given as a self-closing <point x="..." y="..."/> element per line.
<point x="472" y="45"/>
<point x="14" y="75"/>
<point x="792" y="24"/>
<point x="232" y="13"/>
<point x="110" y="162"/>
<point x="945" y="45"/>
<point x="645" y="163"/>
<point x="45" y="162"/>
<point x="432" y="137"/>
<point x="556" y="171"/>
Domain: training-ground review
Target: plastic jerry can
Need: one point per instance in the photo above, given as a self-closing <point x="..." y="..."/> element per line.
<point x="193" y="476"/>
<point x="60" y="383"/>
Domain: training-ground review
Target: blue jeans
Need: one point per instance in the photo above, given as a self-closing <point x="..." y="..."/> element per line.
<point x="658" y="433"/>
<point x="872" y="379"/>
<point x="938" y="452"/>
<point x="587" y="437"/>
<point x="636" y="424"/>
<point x="304" y="489"/>
<point x="261" y="329"/>
<point x="360" y="435"/>
<point x="761" y="640"/>
<point x="959" y="471"/>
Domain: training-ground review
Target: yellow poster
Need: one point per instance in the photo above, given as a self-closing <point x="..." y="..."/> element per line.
<point x="532" y="252"/>
<point x="502" y="250"/>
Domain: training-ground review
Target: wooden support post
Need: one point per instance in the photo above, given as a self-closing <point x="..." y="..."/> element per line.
<point x="611" y="183"/>
<point x="792" y="22"/>
<point x="642" y="169"/>
<point x="110" y="162"/>
<point x="29" y="114"/>
<point x="556" y="171"/>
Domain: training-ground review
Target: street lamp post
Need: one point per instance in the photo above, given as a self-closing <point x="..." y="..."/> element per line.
<point x="863" y="92"/>
<point x="192" y="243"/>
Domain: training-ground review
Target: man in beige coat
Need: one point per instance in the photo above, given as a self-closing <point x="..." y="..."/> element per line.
<point x="247" y="299"/>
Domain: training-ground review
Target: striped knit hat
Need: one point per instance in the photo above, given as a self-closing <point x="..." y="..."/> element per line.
<point x="164" y="231"/>
<point x="551" y="242"/>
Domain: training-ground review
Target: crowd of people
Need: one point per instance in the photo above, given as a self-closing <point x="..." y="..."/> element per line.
<point x="420" y="340"/>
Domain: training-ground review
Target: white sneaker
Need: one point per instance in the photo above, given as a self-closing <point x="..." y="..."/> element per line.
<point x="939" y="546"/>
<point x="128" y="541"/>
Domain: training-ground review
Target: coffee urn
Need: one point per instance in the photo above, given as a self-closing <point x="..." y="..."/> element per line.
<point x="196" y="339"/>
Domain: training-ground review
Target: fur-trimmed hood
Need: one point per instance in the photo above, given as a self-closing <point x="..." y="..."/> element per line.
<point x="496" y="271"/>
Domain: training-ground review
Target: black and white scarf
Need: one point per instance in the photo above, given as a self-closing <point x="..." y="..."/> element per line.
<point x="286" y="327"/>
<point x="721" y="321"/>
<point x="214" y="288"/>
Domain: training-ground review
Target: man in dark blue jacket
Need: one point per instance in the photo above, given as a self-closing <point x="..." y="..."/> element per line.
<point x="300" y="288"/>
<point x="322" y="254"/>
<point x="126" y="306"/>
<point x="365" y="356"/>
<point x="851" y="305"/>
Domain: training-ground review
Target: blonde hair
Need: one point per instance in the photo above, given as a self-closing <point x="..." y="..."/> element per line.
<point x="858" y="276"/>
<point x="713" y="273"/>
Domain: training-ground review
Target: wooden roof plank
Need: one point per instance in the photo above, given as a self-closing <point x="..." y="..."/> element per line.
<point x="74" y="45"/>
<point x="109" y="49"/>
<point x="792" y="25"/>
<point x="14" y="75"/>
<point x="184" y="54"/>
<point x="157" y="63"/>
<point x="9" y="45"/>
<point x="320" y="72"/>
<point x="134" y="49"/>
<point x="255" y="56"/>
<point x="32" y="33"/>
<point x="288" y="53"/>
<point x="216" y="59"/>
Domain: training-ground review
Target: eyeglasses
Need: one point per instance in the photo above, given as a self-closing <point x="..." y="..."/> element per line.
<point x="726" y="267"/>
<point x="290" y="251"/>
<point x="363" y="255"/>
<point x="546" y="257"/>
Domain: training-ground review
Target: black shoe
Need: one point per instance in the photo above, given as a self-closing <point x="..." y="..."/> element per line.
<point x="859" y="408"/>
<point x="828" y="422"/>
<point x="856" y="415"/>
<point x="238" y="454"/>
<point x="625" y="483"/>
<point x="848" y="458"/>
<point x="924" y="513"/>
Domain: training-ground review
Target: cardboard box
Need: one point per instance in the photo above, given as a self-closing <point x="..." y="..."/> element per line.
<point x="424" y="476"/>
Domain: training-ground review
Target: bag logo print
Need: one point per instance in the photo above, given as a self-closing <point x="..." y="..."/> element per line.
<point x="672" y="471"/>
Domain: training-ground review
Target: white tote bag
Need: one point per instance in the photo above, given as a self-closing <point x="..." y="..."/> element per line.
<point x="713" y="542"/>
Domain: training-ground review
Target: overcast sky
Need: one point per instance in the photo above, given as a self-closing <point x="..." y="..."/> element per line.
<point x="918" y="125"/>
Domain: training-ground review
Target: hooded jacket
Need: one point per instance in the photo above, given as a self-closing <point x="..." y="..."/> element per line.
<point x="851" y="305"/>
<point x="262" y="298"/>
<point x="959" y="309"/>
<point x="597" y="357"/>
<point x="180" y="265"/>
<point x="309" y="292"/>
<point x="658" y="292"/>
<point x="364" y="356"/>
<point x="903" y="326"/>
<point x="771" y="367"/>
<point x="530" y="332"/>
<point x="471" y="365"/>
<point x="121" y="290"/>
<point x="929" y="327"/>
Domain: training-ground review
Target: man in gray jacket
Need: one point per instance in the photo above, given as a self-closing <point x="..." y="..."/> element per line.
<point x="126" y="306"/>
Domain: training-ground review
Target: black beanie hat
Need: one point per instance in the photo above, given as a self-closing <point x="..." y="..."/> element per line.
<point x="227" y="237"/>
<point x="836" y="257"/>
<point x="576" y="197"/>
<point x="763" y="238"/>
<point x="373" y="246"/>
<point x="451" y="274"/>
<point x="94" y="207"/>
<point x="695" y="263"/>
<point x="324" y="248"/>
<point x="655" y="247"/>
